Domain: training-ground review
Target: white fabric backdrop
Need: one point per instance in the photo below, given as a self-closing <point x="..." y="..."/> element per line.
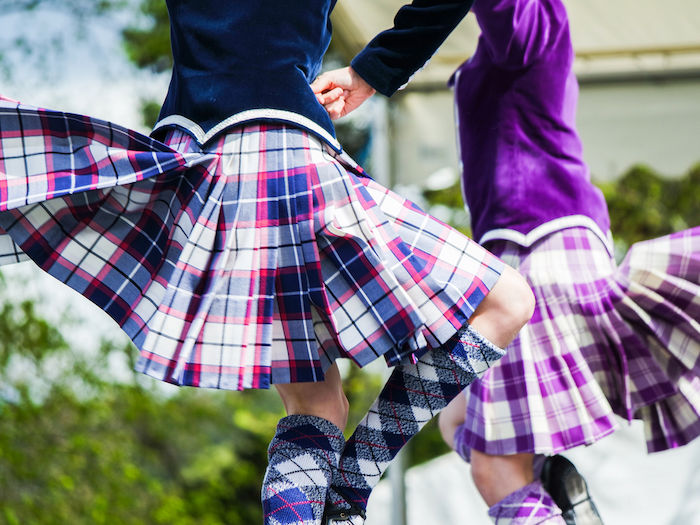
<point x="629" y="487"/>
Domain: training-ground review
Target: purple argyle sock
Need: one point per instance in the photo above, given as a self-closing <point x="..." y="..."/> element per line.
<point x="530" y="505"/>
<point x="302" y="457"/>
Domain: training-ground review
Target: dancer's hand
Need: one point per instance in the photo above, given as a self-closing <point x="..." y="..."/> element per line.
<point x="341" y="91"/>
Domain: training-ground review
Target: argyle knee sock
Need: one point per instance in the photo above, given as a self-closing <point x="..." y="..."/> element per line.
<point x="529" y="505"/>
<point x="411" y="397"/>
<point x="302" y="457"/>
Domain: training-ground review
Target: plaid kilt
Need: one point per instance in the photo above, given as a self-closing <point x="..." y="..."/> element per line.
<point x="602" y="341"/>
<point x="260" y="258"/>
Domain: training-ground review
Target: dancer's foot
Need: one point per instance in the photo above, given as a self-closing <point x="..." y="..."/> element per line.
<point x="337" y="516"/>
<point x="570" y="491"/>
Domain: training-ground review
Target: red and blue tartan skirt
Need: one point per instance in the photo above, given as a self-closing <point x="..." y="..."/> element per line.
<point x="603" y="341"/>
<point x="257" y="259"/>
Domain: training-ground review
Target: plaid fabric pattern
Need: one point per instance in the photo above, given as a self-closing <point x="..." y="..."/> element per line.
<point x="47" y="154"/>
<point x="602" y="341"/>
<point x="302" y="457"/>
<point x="531" y="505"/>
<point x="259" y="259"/>
<point x="411" y="397"/>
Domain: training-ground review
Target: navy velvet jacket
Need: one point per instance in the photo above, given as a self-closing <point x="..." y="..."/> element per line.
<point x="251" y="60"/>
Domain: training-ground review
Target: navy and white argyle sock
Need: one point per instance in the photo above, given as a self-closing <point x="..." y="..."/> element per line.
<point x="302" y="458"/>
<point x="411" y="397"/>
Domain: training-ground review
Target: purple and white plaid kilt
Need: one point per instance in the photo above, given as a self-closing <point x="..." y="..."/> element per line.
<point x="602" y="341"/>
<point x="259" y="259"/>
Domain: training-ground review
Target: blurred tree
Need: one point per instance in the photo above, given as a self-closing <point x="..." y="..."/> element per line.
<point x="78" y="447"/>
<point x="448" y="205"/>
<point x="644" y="205"/>
<point x="78" y="7"/>
<point x="147" y="41"/>
<point x="24" y="333"/>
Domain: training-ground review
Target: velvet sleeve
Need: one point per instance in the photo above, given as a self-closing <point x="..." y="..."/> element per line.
<point x="517" y="32"/>
<point x="394" y="55"/>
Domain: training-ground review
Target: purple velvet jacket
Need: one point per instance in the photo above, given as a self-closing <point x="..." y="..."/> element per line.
<point x="523" y="171"/>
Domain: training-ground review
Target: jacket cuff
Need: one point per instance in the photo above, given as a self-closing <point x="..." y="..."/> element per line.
<point x="386" y="80"/>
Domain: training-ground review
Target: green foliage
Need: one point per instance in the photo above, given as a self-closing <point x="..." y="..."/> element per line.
<point x="150" y="109"/>
<point x="644" y="205"/>
<point x="24" y="333"/>
<point x="78" y="447"/>
<point x="148" y="45"/>
<point x="129" y="457"/>
<point x="78" y="7"/>
<point x="451" y="201"/>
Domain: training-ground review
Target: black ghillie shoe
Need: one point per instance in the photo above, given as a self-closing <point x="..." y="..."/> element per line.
<point x="335" y="516"/>
<point x="569" y="491"/>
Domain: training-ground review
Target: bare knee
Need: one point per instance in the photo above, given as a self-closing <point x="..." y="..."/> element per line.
<point x="506" y="308"/>
<point x="325" y="399"/>
<point x="496" y="477"/>
<point x="513" y="299"/>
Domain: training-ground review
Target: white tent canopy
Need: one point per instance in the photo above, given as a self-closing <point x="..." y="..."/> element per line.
<point x="638" y="62"/>
<point x="609" y="36"/>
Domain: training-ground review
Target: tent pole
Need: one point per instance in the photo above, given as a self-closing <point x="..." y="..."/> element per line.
<point x="397" y="472"/>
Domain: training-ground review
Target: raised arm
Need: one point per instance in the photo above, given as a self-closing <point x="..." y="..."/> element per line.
<point x="517" y="32"/>
<point x="393" y="56"/>
<point x="389" y="60"/>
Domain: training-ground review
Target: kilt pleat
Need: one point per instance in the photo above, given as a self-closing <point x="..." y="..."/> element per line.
<point x="604" y="341"/>
<point x="259" y="258"/>
<point x="47" y="154"/>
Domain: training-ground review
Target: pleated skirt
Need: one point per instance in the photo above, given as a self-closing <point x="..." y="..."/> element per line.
<point x="603" y="341"/>
<point x="258" y="258"/>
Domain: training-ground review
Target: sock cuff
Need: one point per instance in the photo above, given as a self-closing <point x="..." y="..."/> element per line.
<point x="469" y="334"/>
<point x="531" y="501"/>
<point x="300" y="428"/>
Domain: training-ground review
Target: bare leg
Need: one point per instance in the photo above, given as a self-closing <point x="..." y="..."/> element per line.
<point x="304" y="452"/>
<point x="324" y="399"/>
<point x="451" y="417"/>
<point x="505" y="310"/>
<point x="497" y="476"/>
